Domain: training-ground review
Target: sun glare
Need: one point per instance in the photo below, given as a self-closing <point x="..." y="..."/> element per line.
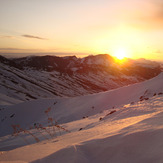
<point x="120" y="54"/>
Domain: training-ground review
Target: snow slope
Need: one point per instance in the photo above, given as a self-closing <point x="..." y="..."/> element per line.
<point x="31" y="78"/>
<point x="122" y="125"/>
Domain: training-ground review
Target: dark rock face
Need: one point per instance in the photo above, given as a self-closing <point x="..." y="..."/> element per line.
<point x="50" y="76"/>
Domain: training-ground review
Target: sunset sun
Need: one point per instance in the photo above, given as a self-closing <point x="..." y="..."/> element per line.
<point x="120" y="54"/>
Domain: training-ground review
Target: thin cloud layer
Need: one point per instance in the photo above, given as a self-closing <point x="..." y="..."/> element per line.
<point x="18" y="50"/>
<point x="7" y="36"/>
<point x="148" y="15"/>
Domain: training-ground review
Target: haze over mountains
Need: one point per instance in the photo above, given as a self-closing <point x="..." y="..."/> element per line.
<point x="36" y="77"/>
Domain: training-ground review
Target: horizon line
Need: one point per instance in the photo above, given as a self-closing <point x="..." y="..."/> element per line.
<point x="60" y="54"/>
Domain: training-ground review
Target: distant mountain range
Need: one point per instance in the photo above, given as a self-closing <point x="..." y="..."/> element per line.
<point x="37" y="77"/>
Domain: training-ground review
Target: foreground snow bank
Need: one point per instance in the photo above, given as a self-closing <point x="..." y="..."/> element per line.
<point x="144" y="146"/>
<point x="141" y="141"/>
<point x="132" y="134"/>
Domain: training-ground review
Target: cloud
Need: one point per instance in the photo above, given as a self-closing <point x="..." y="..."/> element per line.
<point x="13" y="50"/>
<point x="19" y="50"/>
<point x="33" y="37"/>
<point x="148" y="16"/>
<point x="7" y="36"/>
<point x="159" y="10"/>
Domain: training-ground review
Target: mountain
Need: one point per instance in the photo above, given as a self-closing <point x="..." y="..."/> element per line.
<point x="121" y="125"/>
<point x="37" y="77"/>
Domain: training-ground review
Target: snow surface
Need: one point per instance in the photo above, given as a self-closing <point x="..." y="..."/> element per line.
<point x="123" y="125"/>
<point x="6" y="100"/>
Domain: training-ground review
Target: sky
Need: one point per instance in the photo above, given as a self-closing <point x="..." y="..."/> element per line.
<point x="82" y="27"/>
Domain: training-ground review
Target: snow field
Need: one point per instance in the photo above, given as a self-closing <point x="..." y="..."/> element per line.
<point x="122" y="125"/>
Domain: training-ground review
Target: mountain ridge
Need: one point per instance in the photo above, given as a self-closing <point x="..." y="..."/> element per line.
<point x="37" y="77"/>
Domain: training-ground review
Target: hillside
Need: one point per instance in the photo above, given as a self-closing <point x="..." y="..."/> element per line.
<point x="121" y="125"/>
<point x="37" y="77"/>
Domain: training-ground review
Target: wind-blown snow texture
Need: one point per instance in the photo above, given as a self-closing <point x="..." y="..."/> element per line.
<point x="31" y="78"/>
<point x="122" y="125"/>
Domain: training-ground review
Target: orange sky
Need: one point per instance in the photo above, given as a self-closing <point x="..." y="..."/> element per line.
<point x="83" y="26"/>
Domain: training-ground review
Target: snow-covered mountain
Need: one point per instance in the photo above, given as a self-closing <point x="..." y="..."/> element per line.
<point x="36" y="77"/>
<point x="122" y="125"/>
